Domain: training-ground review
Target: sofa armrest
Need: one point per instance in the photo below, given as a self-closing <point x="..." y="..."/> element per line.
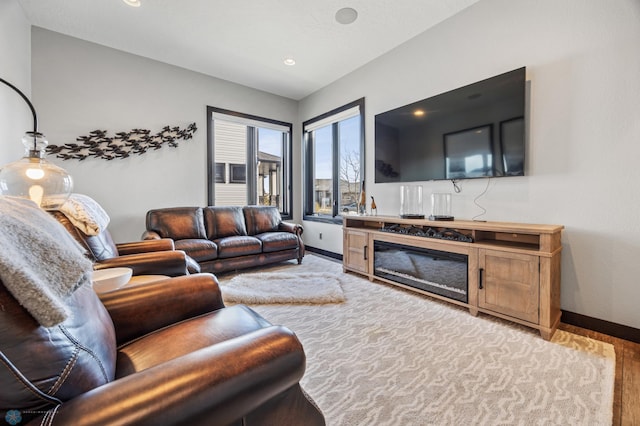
<point x="151" y="235"/>
<point x="162" y="244"/>
<point x="294" y="228"/>
<point x="173" y="263"/>
<point x="138" y="310"/>
<point x="219" y="384"/>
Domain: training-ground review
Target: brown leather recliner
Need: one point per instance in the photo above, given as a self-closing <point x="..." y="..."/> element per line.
<point x="148" y="355"/>
<point x="147" y="257"/>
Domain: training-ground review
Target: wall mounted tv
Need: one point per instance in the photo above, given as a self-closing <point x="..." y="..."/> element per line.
<point x="472" y="132"/>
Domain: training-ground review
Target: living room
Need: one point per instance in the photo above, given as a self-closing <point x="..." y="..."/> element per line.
<point x="582" y="64"/>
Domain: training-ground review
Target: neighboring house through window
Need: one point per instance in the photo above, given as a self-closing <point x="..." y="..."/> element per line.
<point x="249" y="160"/>
<point x="334" y="162"/>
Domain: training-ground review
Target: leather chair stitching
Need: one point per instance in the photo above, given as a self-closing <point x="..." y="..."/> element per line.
<point x="87" y="350"/>
<point x="26" y="382"/>
<point x="47" y="419"/>
<point x="65" y="371"/>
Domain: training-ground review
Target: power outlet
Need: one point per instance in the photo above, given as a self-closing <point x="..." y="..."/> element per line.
<point x="320" y="235"/>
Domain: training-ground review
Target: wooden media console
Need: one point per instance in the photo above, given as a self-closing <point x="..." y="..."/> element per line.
<point x="513" y="269"/>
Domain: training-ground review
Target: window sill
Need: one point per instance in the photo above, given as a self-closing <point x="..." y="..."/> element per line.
<point x="323" y="219"/>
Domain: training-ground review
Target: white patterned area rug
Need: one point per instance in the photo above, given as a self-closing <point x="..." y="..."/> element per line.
<point x="388" y="356"/>
<point x="283" y="287"/>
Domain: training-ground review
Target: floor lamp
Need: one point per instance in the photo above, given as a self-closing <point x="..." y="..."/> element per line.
<point x="32" y="176"/>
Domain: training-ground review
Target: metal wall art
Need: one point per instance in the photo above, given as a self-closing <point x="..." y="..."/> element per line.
<point x="122" y="145"/>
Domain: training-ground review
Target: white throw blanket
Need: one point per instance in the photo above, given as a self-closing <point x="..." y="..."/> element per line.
<point x="85" y="213"/>
<point x="40" y="263"/>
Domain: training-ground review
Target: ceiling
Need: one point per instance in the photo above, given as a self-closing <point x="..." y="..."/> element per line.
<point x="246" y="41"/>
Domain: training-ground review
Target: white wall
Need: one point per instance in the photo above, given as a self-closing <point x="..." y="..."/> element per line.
<point x="81" y="86"/>
<point x="583" y="63"/>
<point x="15" y="67"/>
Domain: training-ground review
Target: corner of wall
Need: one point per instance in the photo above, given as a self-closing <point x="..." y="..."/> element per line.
<point x="15" y="67"/>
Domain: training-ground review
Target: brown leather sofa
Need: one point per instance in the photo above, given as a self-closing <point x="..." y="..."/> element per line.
<point x="153" y="354"/>
<point x="223" y="238"/>
<point x="157" y="257"/>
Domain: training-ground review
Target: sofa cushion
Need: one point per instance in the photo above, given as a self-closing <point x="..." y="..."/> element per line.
<point x="198" y="248"/>
<point x="222" y="221"/>
<point x="238" y="246"/>
<point x="177" y="223"/>
<point x="197" y="333"/>
<point x="261" y="219"/>
<point x="277" y="241"/>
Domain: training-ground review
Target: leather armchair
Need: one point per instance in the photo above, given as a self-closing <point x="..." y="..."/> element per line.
<point x="152" y="354"/>
<point x="149" y="257"/>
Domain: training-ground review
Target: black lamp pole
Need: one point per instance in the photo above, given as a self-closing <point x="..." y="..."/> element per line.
<point x="33" y="110"/>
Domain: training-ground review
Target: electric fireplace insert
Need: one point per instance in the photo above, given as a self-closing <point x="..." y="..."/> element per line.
<point x="434" y="271"/>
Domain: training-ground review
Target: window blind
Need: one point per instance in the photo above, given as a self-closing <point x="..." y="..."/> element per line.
<point x="249" y="122"/>
<point x="342" y="115"/>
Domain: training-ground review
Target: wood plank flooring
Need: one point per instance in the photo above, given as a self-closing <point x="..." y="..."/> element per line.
<point x="626" y="393"/>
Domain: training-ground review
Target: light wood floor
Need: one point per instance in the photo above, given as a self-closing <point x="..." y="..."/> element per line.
<point x="626" y="394"/>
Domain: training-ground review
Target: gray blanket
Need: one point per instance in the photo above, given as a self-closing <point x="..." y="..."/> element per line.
<point x="40" y="263"/>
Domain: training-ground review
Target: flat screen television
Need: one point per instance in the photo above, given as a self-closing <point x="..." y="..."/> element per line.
<point x="474" y="131"/>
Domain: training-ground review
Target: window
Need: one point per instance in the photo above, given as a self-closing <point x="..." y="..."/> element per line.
<point x="334" y="162"/>
<point x="258" y="154"/>
<point x="221" y="172"/>
<point x="238" y="173"/>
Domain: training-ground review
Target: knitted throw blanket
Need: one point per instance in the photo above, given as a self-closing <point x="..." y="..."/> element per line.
<point x="85" y="213"/>
<point x="40" y="262"/>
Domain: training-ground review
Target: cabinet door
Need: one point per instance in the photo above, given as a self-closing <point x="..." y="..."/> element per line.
<point x="509" y="284"/>
<point x="355" y="250"/>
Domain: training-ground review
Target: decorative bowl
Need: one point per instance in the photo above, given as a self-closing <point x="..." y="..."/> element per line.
<point x="110" y="279"/>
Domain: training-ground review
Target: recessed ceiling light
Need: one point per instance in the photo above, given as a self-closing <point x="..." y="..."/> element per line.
<point x="289" y="61"/>
<point x="418" y="113"/>
<point x="132" y="3"/>
<point x="346" y="15"/>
